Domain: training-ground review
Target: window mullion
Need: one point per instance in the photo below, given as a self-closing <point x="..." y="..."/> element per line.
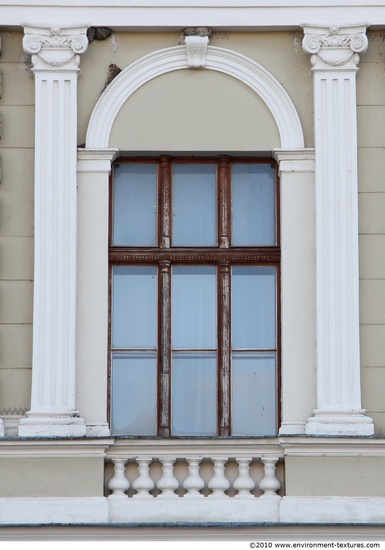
<point x="224" y="202"/>
<point x="164" y="349"/>
<point x="164" y="199"/>
<point x="224" y="344"/>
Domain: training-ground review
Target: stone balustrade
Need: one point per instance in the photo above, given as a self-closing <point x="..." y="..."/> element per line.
<point x="191" y="479"/>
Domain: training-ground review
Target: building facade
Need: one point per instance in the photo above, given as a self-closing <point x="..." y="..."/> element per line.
<point x="193" y="289"/>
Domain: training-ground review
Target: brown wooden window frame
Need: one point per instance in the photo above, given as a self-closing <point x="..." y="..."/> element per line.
<point x="223" y="255"/>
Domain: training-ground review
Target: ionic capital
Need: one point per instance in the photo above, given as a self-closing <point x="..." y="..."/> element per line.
<point x="334" y="47"/>
<point x="55" y="47"/>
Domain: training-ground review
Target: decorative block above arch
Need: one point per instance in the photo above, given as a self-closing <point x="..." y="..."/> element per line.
<point x="171" y="59"/>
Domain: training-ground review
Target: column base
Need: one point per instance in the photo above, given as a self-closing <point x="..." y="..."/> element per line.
<point x="51" y="425"/>
<point x="98" y="430"/>
<point x="340" y="423"/>
<point x="292" y="428"/>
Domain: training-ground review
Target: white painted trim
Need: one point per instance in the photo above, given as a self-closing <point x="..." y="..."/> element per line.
<point x="282" y="510"/>
<point x="194" y="3"/>
<point x="172" y="59"/>
<point x="98" y="430"/>
<point x="73" y="511"/>
<point x="96" y="160"/>
<point x="331" y="446"/>
<point x="93" y="169"/>
<point x="295" y="160"/>
<point x="200" y="510"/>
<point x="292" y="428"/>
<point x="54" y="448"/>
<point x="332" y="510"/>
<point x="247" y="15"/>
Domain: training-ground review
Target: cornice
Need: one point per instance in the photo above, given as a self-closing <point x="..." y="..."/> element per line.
<point x="54" y="447"/>
<point x="290" y="446"/>
<point x="295" y="160"/>
<point x="175" y="15"/>
<point x="96" y="160"/>
<point x="332" y="446"/>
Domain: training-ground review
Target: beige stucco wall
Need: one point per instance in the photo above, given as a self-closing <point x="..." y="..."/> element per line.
<point x="51" y="477"/>
<point x="335" y="476"/>
<point x="371" y="157"/>
<point x="16" y="226"/>
<point x="195" y="111"/>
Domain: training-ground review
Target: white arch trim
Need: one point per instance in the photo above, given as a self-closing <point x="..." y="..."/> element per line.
<point x="172" y="59"/>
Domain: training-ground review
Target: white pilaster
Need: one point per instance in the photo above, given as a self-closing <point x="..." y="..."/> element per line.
<point x="335" y="58"/>
<point x="298" y="352"/>
<point x="55" y="58"/>
<point x="94" y="167"/>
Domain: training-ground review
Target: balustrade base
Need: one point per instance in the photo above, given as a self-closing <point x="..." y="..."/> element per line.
<point x="203" y="510"/>
<point x="295" y="510"/>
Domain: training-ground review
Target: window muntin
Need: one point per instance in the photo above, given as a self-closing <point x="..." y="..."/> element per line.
<point x="216" y="356"/>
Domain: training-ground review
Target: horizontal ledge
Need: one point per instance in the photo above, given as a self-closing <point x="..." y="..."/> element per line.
<point x="99" y="511"/>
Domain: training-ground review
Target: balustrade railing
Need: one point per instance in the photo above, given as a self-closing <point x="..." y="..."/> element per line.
<point x="156" y="471"/>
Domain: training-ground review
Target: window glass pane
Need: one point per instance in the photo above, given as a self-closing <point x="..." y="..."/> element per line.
<point x="253" y="204"/>
<point x="253" y="307"/>
<point x="194" y="205"/>
<point x="193" y="307"/>
<point x="253" y="394"/>
<point x="134" y="307"/>
<point x="135" y="199"/>
<point x="194" y="394"/>
<point x="134" y="394"/>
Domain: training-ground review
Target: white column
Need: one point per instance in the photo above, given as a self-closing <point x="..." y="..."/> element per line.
<point x="334" y="59"/>
<point x="55" y="59"/>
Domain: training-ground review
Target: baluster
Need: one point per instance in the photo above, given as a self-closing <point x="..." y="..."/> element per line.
<point x="119" y="483"/>
<point x="270" y="483"/>
<point x="168" y="482"/>
<point x="244" y="484"/>
<point x="193" y="482"/>
<point x="143" y="483"/>
<point x="219" y="483"/>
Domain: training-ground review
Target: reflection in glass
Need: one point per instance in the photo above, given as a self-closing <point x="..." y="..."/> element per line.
<point x="135" y="199"/>
<point x="134" y="307"/>
<point x="194" y="394"/>
<point x="134" y="390"/>
<point x="253" y="205"/>
<point x="194" y="307"/>
<point x="194" y="205"/>
<point x="253" y="307"/>
<point x="253" y="394"/>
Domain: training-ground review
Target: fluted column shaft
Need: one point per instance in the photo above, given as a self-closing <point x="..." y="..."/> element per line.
<point x="335" y="58"/>
<point x="55" y="58"/>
